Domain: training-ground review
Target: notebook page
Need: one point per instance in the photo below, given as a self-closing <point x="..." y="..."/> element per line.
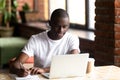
<point x="29" y="77"/>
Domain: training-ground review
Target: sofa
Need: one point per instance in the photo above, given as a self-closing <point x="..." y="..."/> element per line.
<point x="10" y="47"/>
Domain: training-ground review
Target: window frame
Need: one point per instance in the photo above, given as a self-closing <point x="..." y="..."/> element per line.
<point x="79" y="26"/>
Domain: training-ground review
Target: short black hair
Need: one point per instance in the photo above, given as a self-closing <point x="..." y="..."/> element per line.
<point x="58" y="13"/>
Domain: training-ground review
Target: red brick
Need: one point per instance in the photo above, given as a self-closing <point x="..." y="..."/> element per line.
<point x="104" y="49"/>
<point x="117" y="43"/>
<point x="105" y="18"/>
<point x="117" y="51"/>
<point x="104" y="26"/>
<point x="117" y="35"/>
<point x="105" y="11"/>
<point x="103" y="34"/>
<point x="117" y="64"/>
<point x="117" y="58"/>
<point x="117" y="20"/>
<point x="117" y="11"/>
<point x="104" y="3"/>
<point x="117" y="27"/>
<point x="117" y="3"/>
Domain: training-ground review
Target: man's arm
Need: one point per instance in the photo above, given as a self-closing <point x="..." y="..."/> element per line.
<point x="16" y="66"/>
<point x="74" y="51"/>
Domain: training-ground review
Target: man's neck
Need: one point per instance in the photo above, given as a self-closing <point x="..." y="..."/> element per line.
<point x="52" y="35"/>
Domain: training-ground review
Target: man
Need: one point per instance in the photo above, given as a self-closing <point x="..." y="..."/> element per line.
<point x="56" y="41"/>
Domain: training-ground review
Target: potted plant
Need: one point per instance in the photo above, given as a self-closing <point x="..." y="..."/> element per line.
<point x="7" y="12"/>
<point x="25" y="9"/>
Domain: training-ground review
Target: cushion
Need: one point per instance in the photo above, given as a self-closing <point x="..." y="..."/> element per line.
<point x="10" y="47"/>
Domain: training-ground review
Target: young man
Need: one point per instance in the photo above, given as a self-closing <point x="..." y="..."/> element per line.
<point x="56" y="41"/>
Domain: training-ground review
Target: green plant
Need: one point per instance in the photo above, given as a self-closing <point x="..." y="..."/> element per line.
<point x="25" y="7"/>
<point x="9" y="17"/>
<point x="7" y="9"/>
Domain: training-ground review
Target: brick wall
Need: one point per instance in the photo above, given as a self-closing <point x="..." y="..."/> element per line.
<point x="107" y="40"/>
<point x="117" y="33"/>
<point x="39" y="14"/>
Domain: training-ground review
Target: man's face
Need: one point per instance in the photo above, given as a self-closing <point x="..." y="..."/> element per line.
<point x="60" y="27"/>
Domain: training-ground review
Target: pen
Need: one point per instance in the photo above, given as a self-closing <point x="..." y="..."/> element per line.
<point x="21" y="66"/>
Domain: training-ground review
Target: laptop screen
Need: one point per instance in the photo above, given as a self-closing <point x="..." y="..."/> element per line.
<point x="72" y="65"/>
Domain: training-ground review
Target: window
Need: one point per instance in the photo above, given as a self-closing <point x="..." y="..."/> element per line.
<point x="54" y="4"/>
<point x="76" y="10"/>
<point x="81" y="12"/>
<point x="91" y="14"/>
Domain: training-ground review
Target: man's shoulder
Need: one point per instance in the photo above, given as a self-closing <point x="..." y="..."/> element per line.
<point x="40" y="34"/>
<point x="70" y="35"/>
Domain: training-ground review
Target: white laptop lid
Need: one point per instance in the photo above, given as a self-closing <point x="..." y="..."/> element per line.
<point x="73" y="65"/>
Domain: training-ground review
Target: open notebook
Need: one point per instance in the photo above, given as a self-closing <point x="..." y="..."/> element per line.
<point x="63" y="66"/>
<point x="29" y="77"/>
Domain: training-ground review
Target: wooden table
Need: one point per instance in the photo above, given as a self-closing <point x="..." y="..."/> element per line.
<point x="100" y="73"/>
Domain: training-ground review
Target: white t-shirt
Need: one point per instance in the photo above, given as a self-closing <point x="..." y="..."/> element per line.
<point x="43" y="48"/>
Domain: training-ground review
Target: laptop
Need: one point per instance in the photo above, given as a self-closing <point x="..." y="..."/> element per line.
<point x="67" y="66"/>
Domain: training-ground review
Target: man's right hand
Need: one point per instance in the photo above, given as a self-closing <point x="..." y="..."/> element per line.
<point x="17" y="68"/>
<point x="22" y="72"/>
<point x="16" y="65"/>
